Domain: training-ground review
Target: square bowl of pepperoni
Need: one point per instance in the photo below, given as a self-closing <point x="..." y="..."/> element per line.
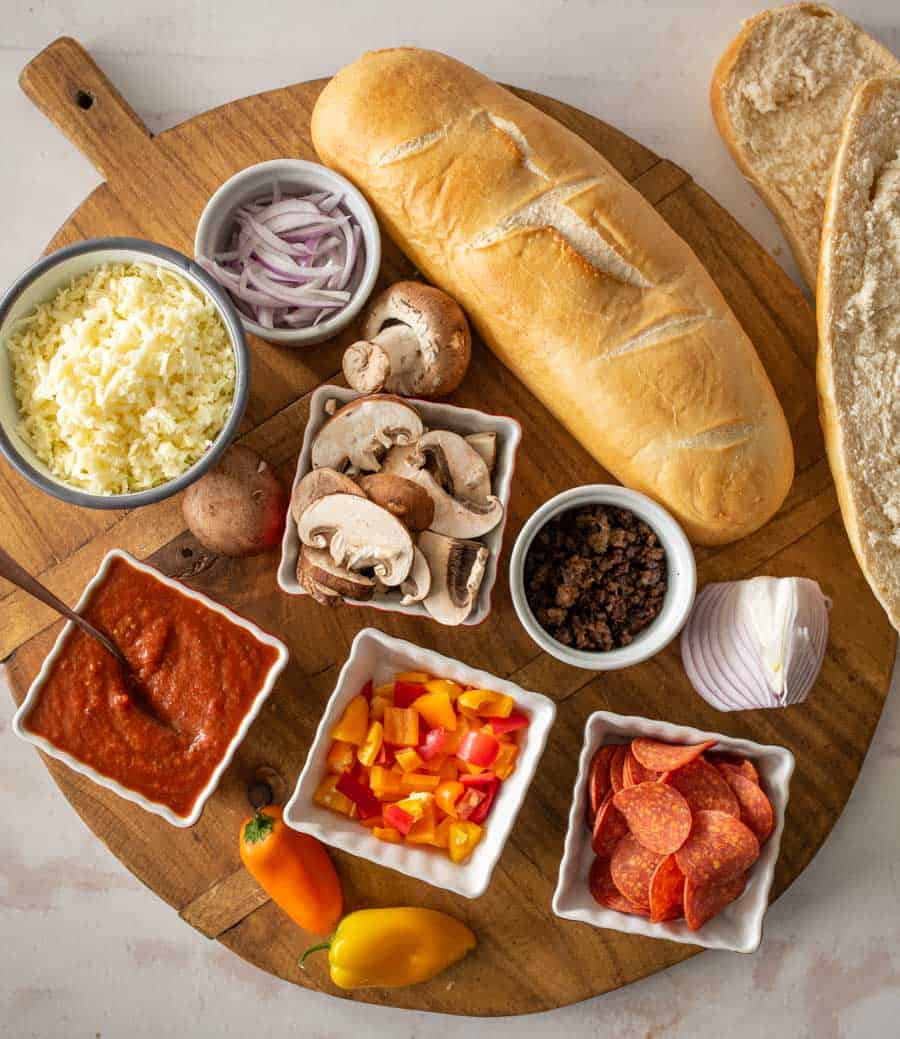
<point x="673" y="832"/>
<point x="162" y="737"/>
<point x="420" y="763"/>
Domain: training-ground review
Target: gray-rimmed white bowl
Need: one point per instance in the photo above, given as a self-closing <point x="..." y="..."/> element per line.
<point x="38" y="284"/>
<point x="293" y="175"/>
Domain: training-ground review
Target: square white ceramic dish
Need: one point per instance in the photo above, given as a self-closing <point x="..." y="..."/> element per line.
<point x="378" y="656"/>
<point x="435" y="416"/>
<point x="739" y="926"/>
<point x="20" y="718"/>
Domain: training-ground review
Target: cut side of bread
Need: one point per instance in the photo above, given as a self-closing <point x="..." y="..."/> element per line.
<point x="858" y="311"/>
<point x="779" y="97"/>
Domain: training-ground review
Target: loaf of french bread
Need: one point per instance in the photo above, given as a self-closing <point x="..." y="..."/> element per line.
<point x="574" y="281"/>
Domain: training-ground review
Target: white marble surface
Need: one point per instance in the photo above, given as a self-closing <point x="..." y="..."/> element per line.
<point x="85" y="950"/>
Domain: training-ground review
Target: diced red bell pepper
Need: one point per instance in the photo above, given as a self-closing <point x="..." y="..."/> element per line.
<point x="478" y="748"/>
<point x="366" y="690"/>
<point x="433" y="744"/>
<point x="407" y="692"/>
<point x="488" y="784"/>
<point x="398" y="819"/>
<point x="468" y="802"/>
<point x="367" y="803"/>
<point x="501" y="726"/>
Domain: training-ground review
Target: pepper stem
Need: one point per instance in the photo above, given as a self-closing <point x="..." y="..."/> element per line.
<point x="312" y="949"/>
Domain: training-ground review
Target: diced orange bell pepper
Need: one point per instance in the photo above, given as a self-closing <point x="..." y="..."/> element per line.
<point x="372" y="822"/>
<point x="437" y="710"/>
<point x="329" y="797"/>
<point x="442" y="834"/>
<point x="385" y="783"/>
<point x="401" y="726"/>
<point x="371" y="745"/>
<point x="419" y="781"/>
<point x="408" y="759"/>
<point x="446" y="796"/>
<point x="422" y="831"/>
<point x="388" y="834"/>
<point x="486" y="703"/>
<point x="506" y="760"/>
<point x="354" y="722"/>
<point x="412" y="676"/>
<point x="464" y="837"/>
<point x="449" y="770"/>
<point x="434" y="766"/>
<point x="385" y="691"/>
<point x="378" y="706"/>
<point x="444" y="685"/>
<point x="340" y="756"/>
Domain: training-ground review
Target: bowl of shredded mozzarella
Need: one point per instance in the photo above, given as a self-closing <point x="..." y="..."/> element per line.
<point x="124" y="373"/>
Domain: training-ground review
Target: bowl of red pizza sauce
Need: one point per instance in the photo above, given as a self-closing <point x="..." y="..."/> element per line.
<point x="163" y="742"/>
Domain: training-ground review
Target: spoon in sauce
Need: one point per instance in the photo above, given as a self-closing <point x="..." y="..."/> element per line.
<point x="20" y="577"/>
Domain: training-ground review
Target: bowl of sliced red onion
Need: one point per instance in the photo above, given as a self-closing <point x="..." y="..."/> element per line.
<point x="295" y="245"/>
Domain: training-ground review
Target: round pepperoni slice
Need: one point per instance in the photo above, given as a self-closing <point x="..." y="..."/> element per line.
<point x="616" y="765"/>
<point x="704" y="789"/>
<point x="704" y="901"/>
<point x="666" y="891"/>
<point x="606" y="893"/>
<point x="718" y="849"/>
<point x="633" y="772"/>
<point x="656" y="814"/>
<point x="631" y="868"/>
<point x="609" y="828"/>
<point x="738" y="766"/>
<point x="598" y="780"/>
<point x="756" y="808"/>
<point x="666" y="757"/>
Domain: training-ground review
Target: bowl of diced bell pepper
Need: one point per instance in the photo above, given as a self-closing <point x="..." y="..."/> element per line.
<point x="420" y="763"/>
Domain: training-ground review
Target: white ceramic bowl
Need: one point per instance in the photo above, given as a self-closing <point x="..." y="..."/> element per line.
<point x="374" y="655"/>
<point x="739" y="926"/>
<point x="21" y="716"/>
<point x="293" y="176"/>
<point x="436" y="416"/>
<point x="682" y="577"/>
<point x="40" y="283"/>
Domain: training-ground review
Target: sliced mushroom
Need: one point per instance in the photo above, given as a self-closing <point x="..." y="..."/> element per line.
<point x="359" y="534"/>
<point x="423" y="352"/>
<point x="404" y="498"/>
<point x="326" y="581"/>
<point x="486" y="445"/>
<point x="456" y="465"/>
<point x="457" y="569"/>
<point x="417" y="586"/>
<point x="357" y="435"/>
<point x="317" y="484"/>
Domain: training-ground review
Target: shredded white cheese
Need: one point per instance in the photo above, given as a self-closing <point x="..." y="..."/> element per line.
<point x="123" y="379"/>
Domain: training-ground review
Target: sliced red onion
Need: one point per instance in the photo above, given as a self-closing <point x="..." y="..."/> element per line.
<point x="756" y="643"/>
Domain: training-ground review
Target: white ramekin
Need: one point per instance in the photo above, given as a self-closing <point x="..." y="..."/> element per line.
<point x="300" y="177"/>
<point x="682" y="577"/>
<point x="21" y="715"/>
<point x="738" y="927"/>
<point x="376" y="655"/>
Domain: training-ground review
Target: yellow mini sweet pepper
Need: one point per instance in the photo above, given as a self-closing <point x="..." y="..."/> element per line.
<point x="391" y="948"/>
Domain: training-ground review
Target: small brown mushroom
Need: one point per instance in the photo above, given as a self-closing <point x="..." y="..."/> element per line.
<point x="405" y="499"/>
<point x="317" y="484"/>
<point x="417" y="343"/>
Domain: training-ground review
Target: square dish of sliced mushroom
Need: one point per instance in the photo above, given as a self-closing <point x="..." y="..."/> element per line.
<point x="399" y="504"/>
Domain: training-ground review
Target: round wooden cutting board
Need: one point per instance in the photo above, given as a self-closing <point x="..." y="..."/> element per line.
<point x="527" y="959"/>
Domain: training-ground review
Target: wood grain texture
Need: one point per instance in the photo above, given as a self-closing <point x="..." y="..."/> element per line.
<point x="527" y="960"/>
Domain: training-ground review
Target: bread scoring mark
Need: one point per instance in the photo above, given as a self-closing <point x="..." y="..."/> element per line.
<point x="550" y="212"/>
<point x="414" y="146"/>
<point x="719" y="438"/>
<point x="519" y="139"/>
<point x="666" y="330"/>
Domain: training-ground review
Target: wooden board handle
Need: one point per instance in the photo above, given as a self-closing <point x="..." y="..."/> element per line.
<point x="68" y="87"/>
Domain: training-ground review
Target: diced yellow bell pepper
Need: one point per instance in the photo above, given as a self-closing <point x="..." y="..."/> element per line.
<point x="420" y="677"/>
<point x="401" y="726"/>
<point x="464" y="836"/>
<point x="385" y="783"/>
<point x="388" y="834"/>
<point x="371" y="745"/>
<point x="505" y="761"/>
<point x="442" y="834"/>
<point x="414" y="806"/>
<point x="422" y="831"/>
<point x="444" y="685"/>
<point x="446" y="796"/>
<point x="354" y="722"/>
<point x="419" y="781"/>
<point x="328" y="797"/>
<point x="486" y="703"/>
<point x="437" y="710"/>
<point x="340" y="756"/>
<point x="408" y="759"/>
<point x="378" y="706"/>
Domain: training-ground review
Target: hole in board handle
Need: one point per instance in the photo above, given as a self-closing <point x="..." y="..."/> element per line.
<point x="84" y="100"/>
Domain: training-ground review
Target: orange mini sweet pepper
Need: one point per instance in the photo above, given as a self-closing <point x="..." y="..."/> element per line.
<point x="293" y="868"/>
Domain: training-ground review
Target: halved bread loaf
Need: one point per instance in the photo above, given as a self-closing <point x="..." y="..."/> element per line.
<point x="858" y="310"/>
<point x="779" y="97"/>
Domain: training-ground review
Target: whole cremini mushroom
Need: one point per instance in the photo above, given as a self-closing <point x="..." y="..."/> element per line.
<point x="416" y="343"/>
<point x="404" y="498"/>
<point x="238" y="508"/>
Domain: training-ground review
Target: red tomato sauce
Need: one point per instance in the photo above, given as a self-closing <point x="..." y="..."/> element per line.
<point x="198" y="672"/>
